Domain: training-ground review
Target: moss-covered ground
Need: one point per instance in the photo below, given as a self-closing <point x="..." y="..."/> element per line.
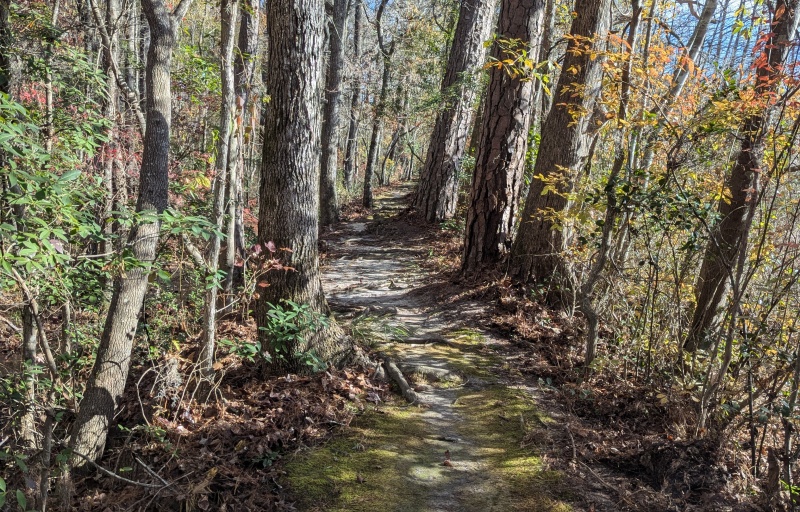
<point x="392" y="458"/>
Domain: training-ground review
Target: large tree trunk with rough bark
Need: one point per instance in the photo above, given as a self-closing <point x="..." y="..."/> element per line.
<point x="564" y="147"/>
<point x="289" y="191"/>
<point x="110" y="371"/>
<point x="329" y="200"/>
<point x="437" y="192"/>
<point x="727" y="248"/>
<point x="500" y="157"/>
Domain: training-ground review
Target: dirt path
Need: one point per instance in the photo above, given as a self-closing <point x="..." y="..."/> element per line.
<point x="471" y="444"/>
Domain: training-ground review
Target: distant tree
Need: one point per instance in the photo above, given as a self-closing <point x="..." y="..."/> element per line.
<point x="503" y="142"/>
<point x="229" y="16"/>
<point x="289" y="191"/>
<point x="329" y="201"/>
<point x="244" y="67"/>
<point x="355" y="99"/>
<point x="386" y="50"/>
<point x="437" y="192"/>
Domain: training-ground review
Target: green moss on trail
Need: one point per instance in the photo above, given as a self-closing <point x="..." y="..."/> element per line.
<point x="365" y="470"/>
<point x="392" y="460"/>
<point x="502" y="418"/>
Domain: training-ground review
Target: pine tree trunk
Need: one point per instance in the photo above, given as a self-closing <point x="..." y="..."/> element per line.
<point x="563" y="150"/>
<point x="437" y="192"/>
<point x="329" y="200"/>
<point x="729" y="239"/>
<point x="352" y="132"/>
<point x="500" y="157"/>
<point x="110" y="371"/>
<point x="289" y="190"/>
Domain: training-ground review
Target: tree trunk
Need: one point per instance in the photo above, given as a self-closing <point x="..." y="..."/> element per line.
<point x="329" y="200"/>
<point x="729" y="238"/>
<point x="586" y="290"/>
<point x="110" y="371"/>
<point x="377" y="129"/>
<point x="110" y="55"/>
<point x="229" y="16"/>
<point x="500" y="158"/>
<point x="28" y="430"/>
<point x="243" y="72"/>
<point x="564" y="148"/>
<point x="289" y="190"/>
<point x="355" y="99"/>
<point x="5" y="59"/>
<point x="437" y="192"/>
<point x="386" y="51"/>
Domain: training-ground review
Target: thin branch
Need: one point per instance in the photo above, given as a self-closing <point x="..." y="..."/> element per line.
<point x="116" y="476"/>
<point x="11" y="325"/>
<point x="180" y="11"/>
<point x="194" y="252"/>
<point x="34" y="305"/>
<point x="132" y="97"/>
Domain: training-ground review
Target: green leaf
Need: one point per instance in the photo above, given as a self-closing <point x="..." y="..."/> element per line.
<point x="70" y="175"/>
<point x="2" y="486"/>
<point x="21" y="499"/>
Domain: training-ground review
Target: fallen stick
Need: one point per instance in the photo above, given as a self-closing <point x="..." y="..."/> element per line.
<point x="397" y="376"/>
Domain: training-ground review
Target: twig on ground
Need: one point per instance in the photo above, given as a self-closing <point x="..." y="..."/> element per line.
<point x="152" y="473"/>
<point x="572" y="442"/>
<point x="607" y="485"/>
<point x="116" y="476"/>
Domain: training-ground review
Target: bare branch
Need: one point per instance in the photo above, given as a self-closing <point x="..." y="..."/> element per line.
<point x="180" y="11"/>
<point x="133" y="98"/>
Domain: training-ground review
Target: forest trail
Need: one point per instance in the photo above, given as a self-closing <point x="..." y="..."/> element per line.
<point x="471" y="444"/>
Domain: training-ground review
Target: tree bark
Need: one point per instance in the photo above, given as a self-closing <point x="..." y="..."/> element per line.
<point x="243" y="71"/>
<point x="355" y="100"/>
<point x="229" y="16"/>
<point x="329" y="199"/>
<point x="385" y="52"/>
<point x="110" y="55"/>
<point x="110" y="372"/>
<point x="586" y="290"/>
<point x="290" y="167"/>
<point x="729" y="238"/>
<point x="500" y="158"/>
<point x="437" y="192"/>
<point x="564" y="147"/>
